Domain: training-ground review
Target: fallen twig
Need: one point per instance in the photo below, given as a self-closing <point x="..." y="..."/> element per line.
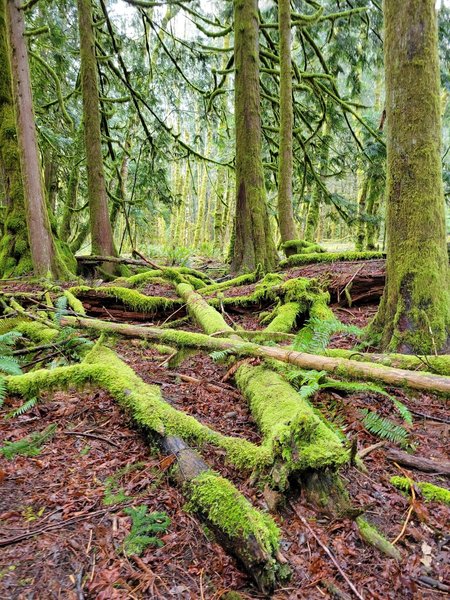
<point x="328" y="552"/>
<point x="91" y="435"/>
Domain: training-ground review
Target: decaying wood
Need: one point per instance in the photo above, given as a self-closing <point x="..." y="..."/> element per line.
<point x="418" y="462"/>
<point x="247" y="550"/>
<point x="338" y="366"/>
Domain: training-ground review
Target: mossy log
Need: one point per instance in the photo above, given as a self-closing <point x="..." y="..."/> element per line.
<point x="246" y="533"/>
<point x="124" y="303"/>
<point x="437" y="364"/>
<point x="296" y="436"/>
<point x="431" y="493"/>
<point x="339" y="366"/>
<point x="249" y="534"/>
<point x="328" y="257"/>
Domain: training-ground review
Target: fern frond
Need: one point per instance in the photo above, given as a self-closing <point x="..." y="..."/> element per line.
<point x="219" y="355"/>
<point x="403" y="410"/>
<point x="9" y="338"/>
<point x="384" y="428"/>
<point x="28" y="446"/>
<point x="315" y="336"/>
<point x="61" y="309"/>
<point x="2" y="390"/>
<point x="23" y="408"/>
<point x="9" y="365"/>
<point x="142" y="525"/>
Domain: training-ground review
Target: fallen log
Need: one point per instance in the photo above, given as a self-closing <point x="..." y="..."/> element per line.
<point x="418" y="462"/>
<point x="249" y="534"/>
<point x="297" y="437"/>
<point x="437" y="364"/>
<point x="339" y="366"/>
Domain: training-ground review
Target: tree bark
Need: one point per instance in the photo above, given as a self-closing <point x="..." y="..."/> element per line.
<point x="414" y="315"/>
<point x="340" y="366"/>
<point x="253" y="243"/>
<point x="43" y="252"/>
<point x="286" y="220"/>
<point x="100" y="224"/>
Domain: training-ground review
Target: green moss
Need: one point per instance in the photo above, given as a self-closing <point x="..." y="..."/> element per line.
<point x="222" y="504"/>
<point x="37" y="332"/>
<point x="433" y="364"/>
<point x="301" y="247"/>
<point x="328" y="257"/>
<point x="74" y="303"/>
<point x="291" y="428"/>
<point x="235" y="282"/>
<point x="131" y="298"/>
<point x="211" y="320"/>
<point x="431" y="493"/>
<point x="144" y="402"/>
<point x="284" y="317"/>
<point x="373" y="537"/>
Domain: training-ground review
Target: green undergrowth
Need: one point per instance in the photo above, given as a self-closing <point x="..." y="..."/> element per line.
<point x="28" y="446"/>
<point x="431" y="492"/>
<point x="222" y="505"/>
<point x="244" y="279"/>
<point x="328" y="257"/>
<point x="145" y="529"/>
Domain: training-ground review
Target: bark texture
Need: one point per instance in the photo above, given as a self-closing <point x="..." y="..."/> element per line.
<point x="45" y="257"/>
<point x="286" y="221"/>
<point x="101" y="231"/>
<point x="253" y="243"/>
<point x="414" y="314"/>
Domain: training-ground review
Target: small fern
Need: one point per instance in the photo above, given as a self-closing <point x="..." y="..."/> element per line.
<point x="2" y="390"/>
<point x="23" y="408"/>
<point x="403" y="410"/>
<point x="384" y="428"/>
<point x="142" y="525"/>
<point x="61" y="309"/>
<point x="220" y="355"/>
<point x="28" y="446"/>
<point x="316" y="334"/>
<point x="9" y="365"/>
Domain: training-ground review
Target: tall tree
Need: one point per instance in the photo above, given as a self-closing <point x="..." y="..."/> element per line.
<point x="102" y="242"/>
<point x="286" y="221"/>
<point x="47" y="259"/>
<point x="253" y="242"/>
<point x="414" y="315"/>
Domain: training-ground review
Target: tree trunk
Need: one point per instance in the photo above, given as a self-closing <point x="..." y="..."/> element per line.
<point x="44" y="256"/>
<point x="70" y="203"/>
<point x="286" y="221"/>
<point x="414" y="315"/>
<point x="100" y="224"/>
<point x="253" y="243"/>
<point x="15" y="258"/>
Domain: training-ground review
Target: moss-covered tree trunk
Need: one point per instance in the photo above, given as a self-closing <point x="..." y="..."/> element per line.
<point x="15" y="258"/>
<point x="101" y="232"/>
<point x="45" y="257"/>
<point x="253" y="243"/>
<point x="414" y="315"/>
<point x="286" y="221"/>
<point x="312" y="218"/>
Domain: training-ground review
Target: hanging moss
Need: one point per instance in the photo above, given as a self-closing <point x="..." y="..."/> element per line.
<point x="431" y="493"/>
<point x="328" y="257"/>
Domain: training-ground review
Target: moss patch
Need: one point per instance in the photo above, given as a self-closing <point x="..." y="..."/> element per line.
<point x="328" y="257"/>
<point x="431" y="493"/>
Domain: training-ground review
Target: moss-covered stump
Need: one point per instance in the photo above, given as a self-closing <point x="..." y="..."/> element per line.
<point x="297" y="260"/>
<point x="249" y="534"/>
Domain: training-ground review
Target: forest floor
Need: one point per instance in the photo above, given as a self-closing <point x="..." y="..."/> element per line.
<point x="59" y="539"/>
